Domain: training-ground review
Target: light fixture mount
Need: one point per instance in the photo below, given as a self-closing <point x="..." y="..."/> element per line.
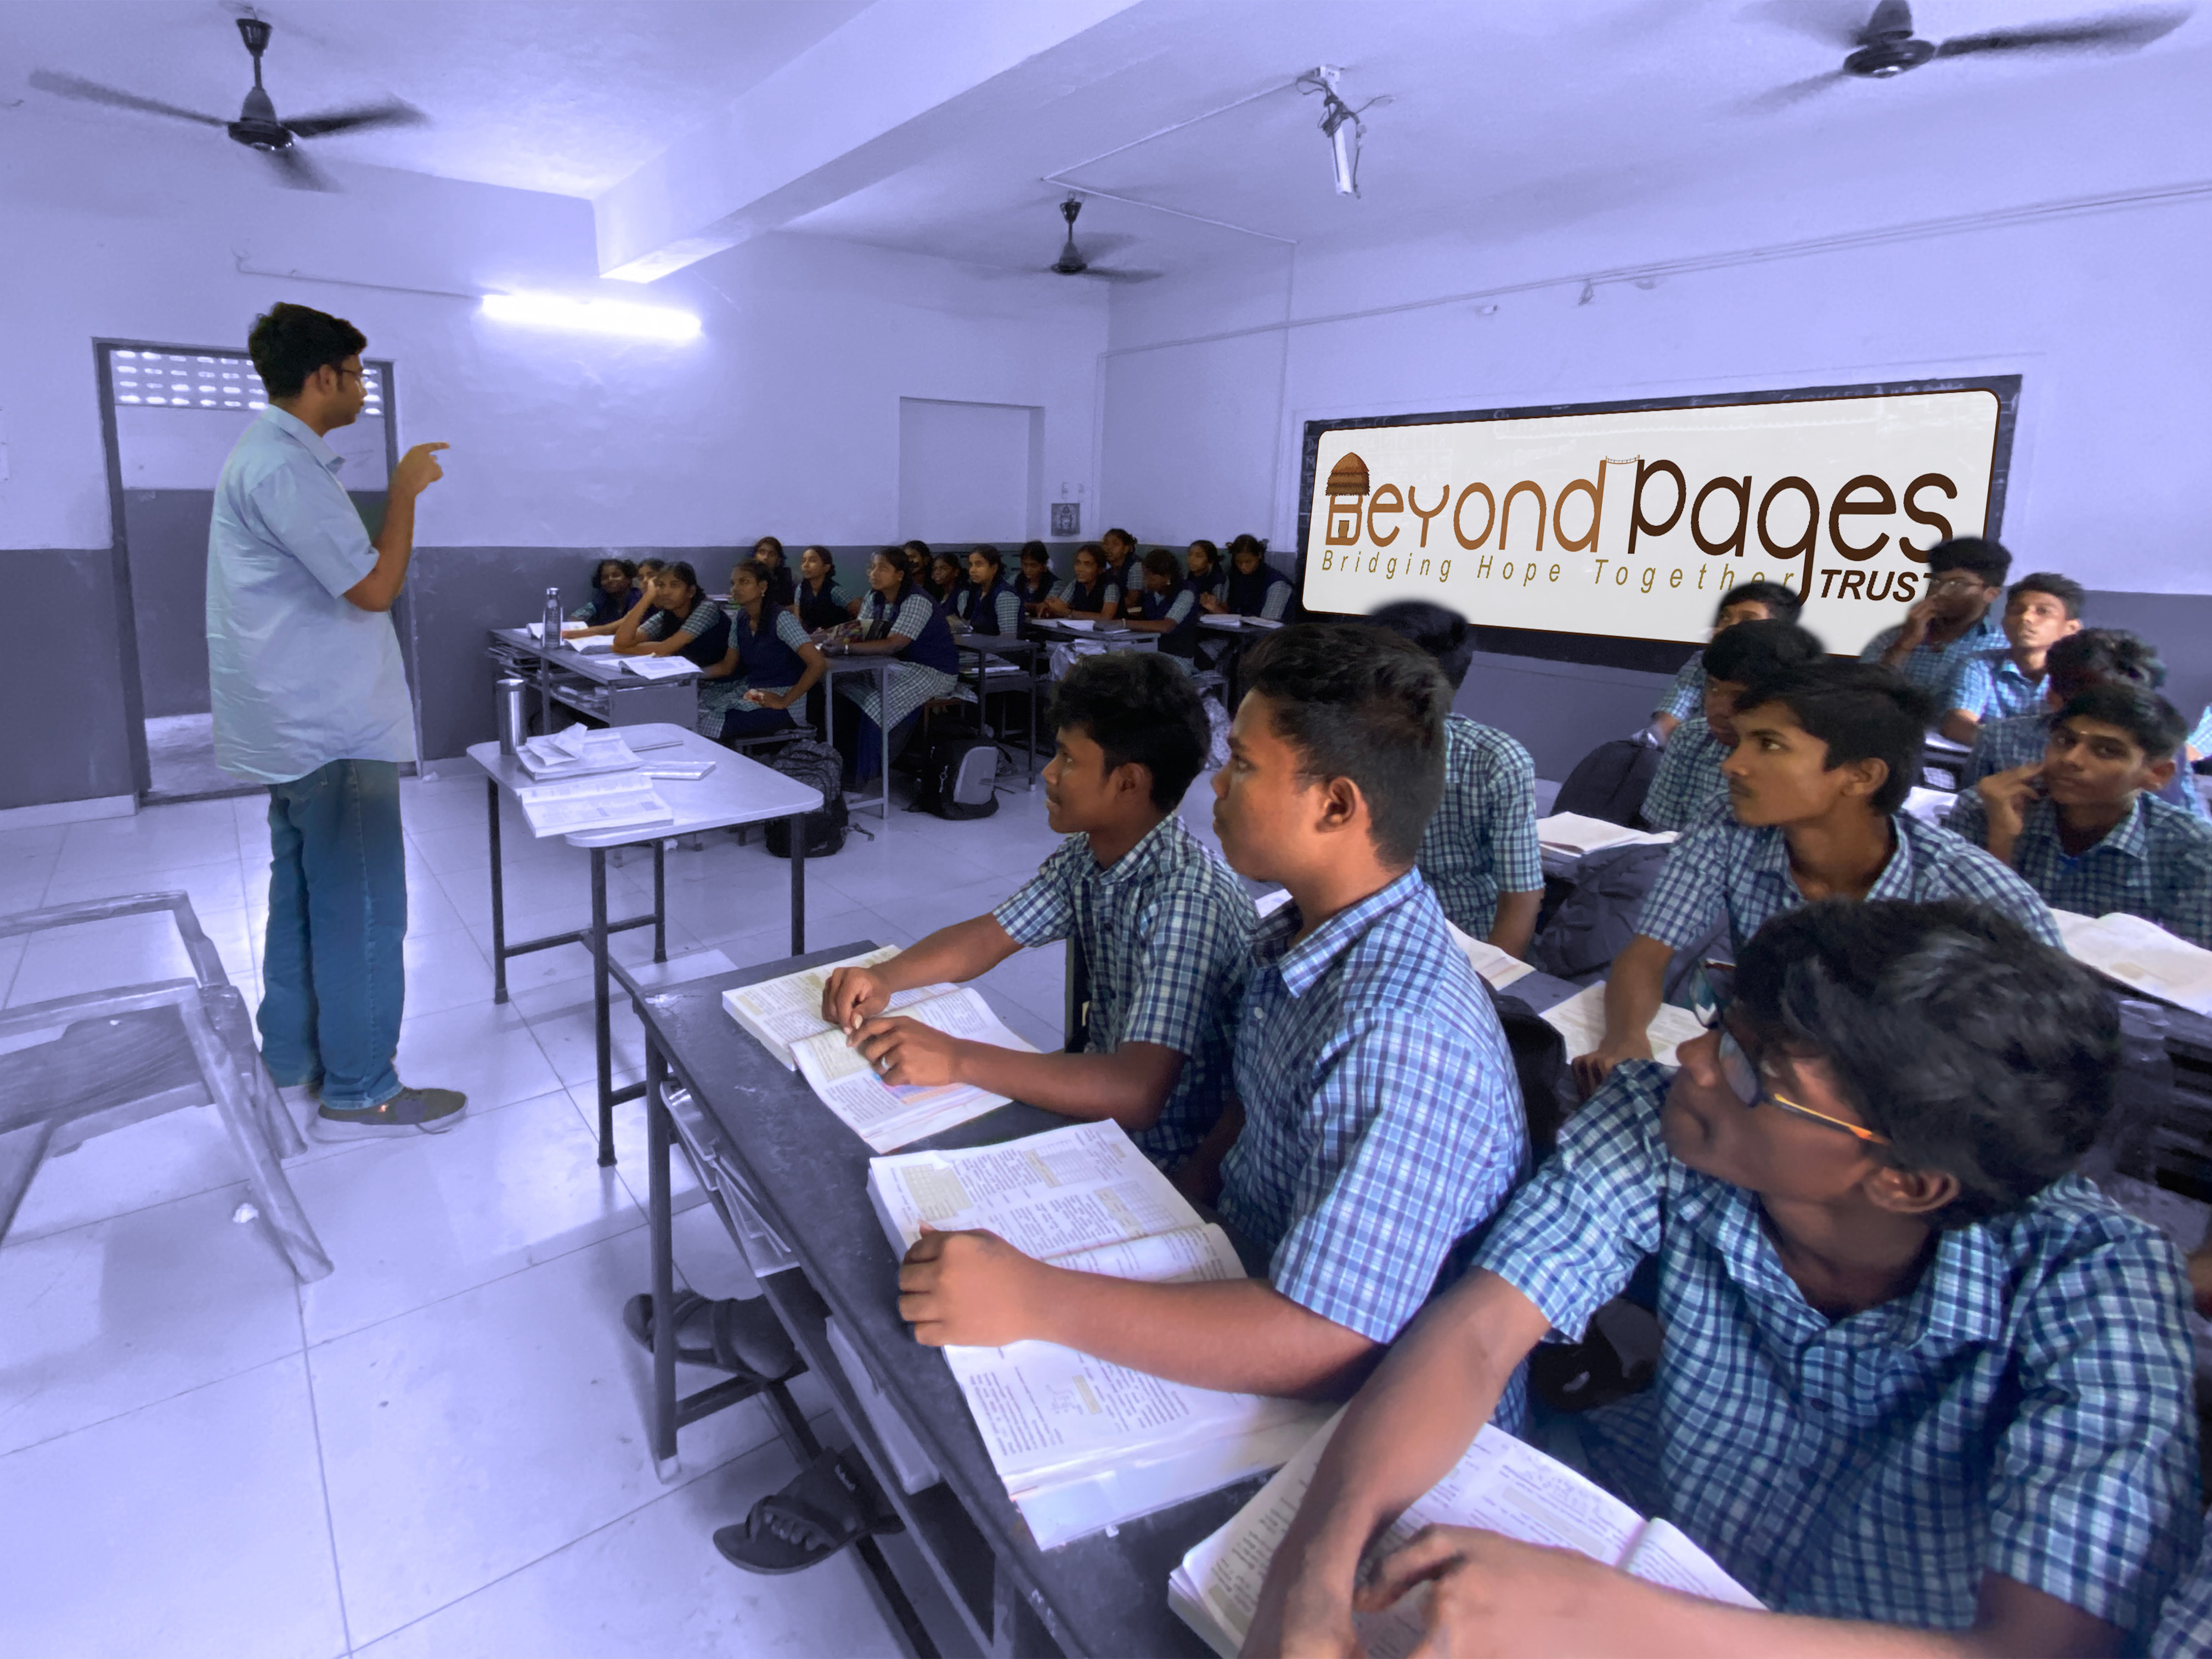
<point x="1340" y="122"/>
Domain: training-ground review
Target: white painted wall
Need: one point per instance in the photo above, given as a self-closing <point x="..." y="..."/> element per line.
<point x="781" y="416"/>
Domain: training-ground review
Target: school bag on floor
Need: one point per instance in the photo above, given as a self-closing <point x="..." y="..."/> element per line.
<point x="819" y="767"/>
<point x="959" y="774"/>
<point x="1610" y="781"/>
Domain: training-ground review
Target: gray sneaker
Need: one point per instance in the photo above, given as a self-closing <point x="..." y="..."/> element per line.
<point x="434" y="1112"/>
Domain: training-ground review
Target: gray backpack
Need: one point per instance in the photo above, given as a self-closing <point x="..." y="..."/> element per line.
<point x="1598" y="915"/>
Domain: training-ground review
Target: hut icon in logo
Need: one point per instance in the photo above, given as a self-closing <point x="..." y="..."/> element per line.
<point x="1347" y="489"/>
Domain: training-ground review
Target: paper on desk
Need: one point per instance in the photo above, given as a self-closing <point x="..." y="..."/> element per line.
<point x="1487" y="960"/>
<point x="2142" y="954"/>
<point x="590" y="642"/>
<point x="1570" y="832"/>
<point x="1081" y="625"/>
<point x="1928" y="805"/>
<point x="781" y="1012"/>
<point x="660" y="668"/>
<point x="1581" y="1020"/>
<point x="1219" y="620"/>
<point x="887" y="1116"/>
<point x="577" y="806"/>
<point x="575" y="752"/>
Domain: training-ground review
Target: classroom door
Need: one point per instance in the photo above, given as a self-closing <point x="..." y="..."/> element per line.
<point x="970" y="472"/>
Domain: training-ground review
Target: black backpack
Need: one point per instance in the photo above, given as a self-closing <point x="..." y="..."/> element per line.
<point x="1610" y="781"/>
<point x="817" y="765"/>
<point x="1598" y="917"/>
<point x="958" y="776"/>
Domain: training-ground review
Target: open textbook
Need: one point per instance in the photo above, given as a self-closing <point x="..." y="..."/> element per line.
<point x="1083" y="1444"/>
<point x="780" y="1011"/>
<point x="591" y="805"/>
<point x="1502" y="1484"/>
<point x="1570" y="832"/>
<point x="2141" y="955"/>
<point x="1581" y="1020"/>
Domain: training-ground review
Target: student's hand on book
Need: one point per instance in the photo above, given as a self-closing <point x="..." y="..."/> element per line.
<point x="1490" y="1593"/>
<point x="905" y="1051"/>
<point x="973" y="1289"/>
<point x="850" y="995"/>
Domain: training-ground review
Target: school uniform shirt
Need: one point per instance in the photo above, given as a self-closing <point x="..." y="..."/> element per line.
<point x="993" y="609"/>
<point x="1035" y="593"/>
<point x="1202" y="585"/>
<point x="828" y="606"/>
<point x="1091" y="596"/>
<point x="2201" y="739"/>
<point x="2155" y="863"/>
<point x="1166" y="931"/>
<point x="1688" y="792"/>
<point x="1741" y="871"/>
<point x="1482" y="841"/>
<point x="1382" y="1117"/>
<point x="1991" y="687"/>
<point x="926" y="670"/>
<point x="1265" y="593"/>
<point x="1936" y="669"/>
<point x="2185" y="1630"/>
<point x="603" y="607"/>
<point x="705" y="634"/>
<point x="1685" y="693"/>
<point x="1180" y="607"/>
<point x="297" y="674"/>
<point x="2000" y="745"/>
<point x="2025" y="1409"/>
<point x="768" y="660"/>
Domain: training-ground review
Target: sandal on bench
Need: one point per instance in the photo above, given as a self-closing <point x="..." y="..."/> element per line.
<point x="744" y="1336"/>
<point x="832" y="1503"/>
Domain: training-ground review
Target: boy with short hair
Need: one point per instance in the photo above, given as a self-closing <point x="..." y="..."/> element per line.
<point x="1924" y="1389"/>
<point x="1480" y="854"/>
<point x="1949" y="626"/>
<point x="1377" y="1119"/>
<point x="1816" y="783"/>
<point x="1745" y="602"/>
<point x="1688" y="792"/>
<point x="1164" y="926"/>
<point x="2095" y="656"/>
<point x="2040" y="610"/>
<point x="2083" y="825"/>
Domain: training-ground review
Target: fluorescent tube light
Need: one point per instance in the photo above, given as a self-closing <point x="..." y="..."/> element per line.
<point x="591" y="316"/>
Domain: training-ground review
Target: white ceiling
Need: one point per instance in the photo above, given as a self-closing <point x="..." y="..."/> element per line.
<point x="1507" y="116"/>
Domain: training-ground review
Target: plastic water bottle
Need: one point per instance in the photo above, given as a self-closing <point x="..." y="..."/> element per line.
<point x="551" y="636"/>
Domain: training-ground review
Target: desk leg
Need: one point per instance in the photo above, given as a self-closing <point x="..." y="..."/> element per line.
<point x="1033" y="720"/>
<point x="498" y="899"/>
<point x="601" y="1028"/>
<point x="883" y="727"/>
<point x="797" y="823"/>
<point x="659" y="900"/>
<point x="662" y="1225"/>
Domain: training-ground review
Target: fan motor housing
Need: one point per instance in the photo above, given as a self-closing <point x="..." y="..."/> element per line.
<point x="1884" y="59"/>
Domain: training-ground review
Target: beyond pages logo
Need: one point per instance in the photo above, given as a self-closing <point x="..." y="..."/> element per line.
<point x="1631" y="522"/>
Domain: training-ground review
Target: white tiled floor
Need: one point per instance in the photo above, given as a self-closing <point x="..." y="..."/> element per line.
<point x="439" y="1449"/>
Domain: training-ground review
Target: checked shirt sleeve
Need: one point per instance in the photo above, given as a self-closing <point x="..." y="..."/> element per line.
<point x="1506" y="792"/>
<point x="1571" y="1238"/>
<point x="1692" y="890"/>
<point x="1686" y="694"/>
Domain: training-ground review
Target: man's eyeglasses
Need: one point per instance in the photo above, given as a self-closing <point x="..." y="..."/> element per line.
<point x="1740" y="1072"/>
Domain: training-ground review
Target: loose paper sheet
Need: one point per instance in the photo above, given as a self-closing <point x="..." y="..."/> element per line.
<point x="2141" y="954"/>
<point x="1487" y="960"/>
<point x="1581" y="1020"/>
<point x="1572" y="832"/>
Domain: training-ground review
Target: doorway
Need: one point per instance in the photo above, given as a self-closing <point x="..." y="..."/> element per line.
<point x="171" y="415"/>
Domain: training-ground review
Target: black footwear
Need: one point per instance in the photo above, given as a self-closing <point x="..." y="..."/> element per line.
<point x="832" y="1503"/>
<point x="744" y="1336"/>
<point x="434" y="1112"/>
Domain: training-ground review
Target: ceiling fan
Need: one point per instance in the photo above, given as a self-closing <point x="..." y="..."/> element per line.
<point x="1885" y="45"/>
<point x="257" y="126"/>
<point x="1072" y="263"/>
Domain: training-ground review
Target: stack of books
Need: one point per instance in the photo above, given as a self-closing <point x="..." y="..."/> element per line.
<point x="585" y="782"/>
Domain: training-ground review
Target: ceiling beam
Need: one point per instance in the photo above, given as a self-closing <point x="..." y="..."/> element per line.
<point x="894" y="83"/>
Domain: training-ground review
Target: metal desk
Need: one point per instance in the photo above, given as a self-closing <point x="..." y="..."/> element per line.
<point x="593" y="682"/>
<point x="1007" y="648"/>
<point x="879" y="663"/>
<point x="781" y="1155"/>
<point x="737" y="791"/>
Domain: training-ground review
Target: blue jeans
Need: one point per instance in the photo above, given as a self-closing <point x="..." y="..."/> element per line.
<point x="332" y="973"/>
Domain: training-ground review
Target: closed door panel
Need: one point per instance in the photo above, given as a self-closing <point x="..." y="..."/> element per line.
<point x="965" y="472"/>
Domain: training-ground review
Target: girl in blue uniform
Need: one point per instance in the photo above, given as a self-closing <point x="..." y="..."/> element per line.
<point x="822" y="602"/>
<point x="1035" y="586"/>
<point x="1167" y="608"/>
<point x="615" y="594"/>
<point x="988" y="605"/>
<point x="1253" y="587"/>
<point x="779" y="662"/>
<point x="1202" y="571"/>
<point x="948" y="581"/>
<point x="1092" y="596"/>
<point x="676" y="619"/>
<point x="769" y="551"/>
<point x="897" y="619"/>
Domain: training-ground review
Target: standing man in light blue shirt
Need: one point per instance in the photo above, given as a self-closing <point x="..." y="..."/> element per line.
<point x="310" y="699"/>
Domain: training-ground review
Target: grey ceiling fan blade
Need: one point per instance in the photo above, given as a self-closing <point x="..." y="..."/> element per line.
<point x="91" y="92"/>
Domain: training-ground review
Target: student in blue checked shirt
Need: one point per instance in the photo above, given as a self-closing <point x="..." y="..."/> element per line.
<point x="1949" y="626"/>
<point x="1162" y="925"/>
<point x="1924" y="1391"/>
<point x="1746" y="602"/>
<point x="1377" y="1120"/>
<point x="1479" y="854"/>
<point x="2082" y="823"/>
<point x="2040" y="610"/>
<point x="1688" y="792"/>
<point x="1820" y="771"/>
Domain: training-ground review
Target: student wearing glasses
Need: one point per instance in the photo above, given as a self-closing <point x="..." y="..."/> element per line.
<point x="1924" y="1389"/>
<point x="2083" y="825"/>
<point x="1949" y="627"/>
<point x="1816" y="783"/>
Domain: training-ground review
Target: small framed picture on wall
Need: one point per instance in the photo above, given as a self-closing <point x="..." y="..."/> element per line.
<point x="1067" y="517"/>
